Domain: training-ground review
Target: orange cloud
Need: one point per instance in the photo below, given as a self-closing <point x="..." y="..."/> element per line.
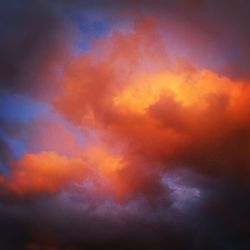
<point x="49" y="172"/>
<point x="45" y="172"/>
<point x="170" y="115"/>
<point x="157" y="116"/>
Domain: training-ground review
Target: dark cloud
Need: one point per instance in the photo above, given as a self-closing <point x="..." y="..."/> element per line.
<point x="30" y="34"/>
<point x="73" y="221"/>
<point x="7" y="130"/>
<point x="5" y="153"/>
<point x="36" y="39"/>
<point x="213" y="33"/>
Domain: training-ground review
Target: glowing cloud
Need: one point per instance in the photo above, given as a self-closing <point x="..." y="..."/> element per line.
<point x="165" y="114"/>
<point x="156" y="115"/>
<point x="44" y="173"/>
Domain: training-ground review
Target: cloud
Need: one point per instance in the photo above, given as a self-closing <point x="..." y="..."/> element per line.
<point x="46" y="172"/>
<point x="209" y="33"/>
<point x="172" y="116"/>
<point x="161" y="106"/>
<point x="38" y="37"/>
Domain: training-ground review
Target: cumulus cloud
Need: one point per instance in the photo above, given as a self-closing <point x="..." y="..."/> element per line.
<point x="177" y="116"/>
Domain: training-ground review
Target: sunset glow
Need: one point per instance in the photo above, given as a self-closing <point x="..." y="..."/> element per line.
<point x="125" y="125"/>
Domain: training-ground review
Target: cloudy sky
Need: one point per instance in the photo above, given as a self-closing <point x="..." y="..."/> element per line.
<point x="124" y="125"/>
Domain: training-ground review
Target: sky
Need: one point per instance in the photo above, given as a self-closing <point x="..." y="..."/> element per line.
<point x="124" y="125"/>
